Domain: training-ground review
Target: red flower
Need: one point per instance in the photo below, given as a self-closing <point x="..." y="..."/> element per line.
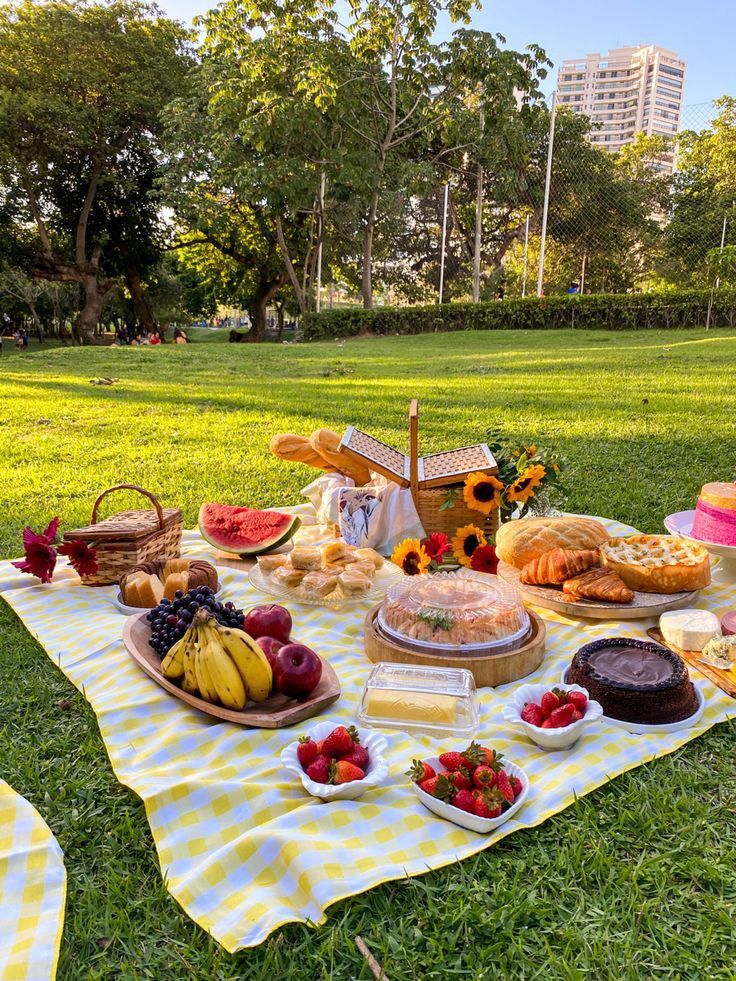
<point x="81" y="556"/>
<point x="484" y="559"/>
<point x="436" y="545"/>
<point x="40" y="557"/>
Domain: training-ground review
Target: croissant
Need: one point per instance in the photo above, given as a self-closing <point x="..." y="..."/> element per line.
<point x="557" y="565"/>
<point x="600" y="584"/>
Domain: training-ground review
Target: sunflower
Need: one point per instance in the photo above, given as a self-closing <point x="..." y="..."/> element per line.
<point x="482" y="492"/>
<point x="410" y="557"/>
<point x="465" y="542"/>
<point x="523" y="487"/>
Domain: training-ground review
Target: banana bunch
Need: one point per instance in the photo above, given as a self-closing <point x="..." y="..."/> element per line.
<point x="222" y="665"/>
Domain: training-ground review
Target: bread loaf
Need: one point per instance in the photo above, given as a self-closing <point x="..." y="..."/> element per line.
<point x="518" y="542"/>
<point x="287" y="446"/>
<point x="327" y="444"/>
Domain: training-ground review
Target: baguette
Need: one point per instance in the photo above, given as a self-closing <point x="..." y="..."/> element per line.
<point x="287" y="446"/>
<point x="326" y="442"/>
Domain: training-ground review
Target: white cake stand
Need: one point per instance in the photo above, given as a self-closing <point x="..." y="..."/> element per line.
<point x="681" y="523"/>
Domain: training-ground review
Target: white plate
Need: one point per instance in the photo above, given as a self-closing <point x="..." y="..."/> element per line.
<point x="550" y="739"/>
<point x="640" y="729"/>
<point x="386" y="576"/>
<point x="376" y="773"/>
<point x="681" y="523"/>
<point x="130" y="611"/>
<point x="466" y="820"/>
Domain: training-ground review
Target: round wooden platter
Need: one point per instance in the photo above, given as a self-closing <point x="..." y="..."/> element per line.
<point x="552" y="598"/>
<point x="275" y="713"/>
<point x="488" y="670"/>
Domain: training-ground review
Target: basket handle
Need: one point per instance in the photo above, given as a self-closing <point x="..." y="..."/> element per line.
<point x="414" y="447"/>
<point x="135" y="487"/>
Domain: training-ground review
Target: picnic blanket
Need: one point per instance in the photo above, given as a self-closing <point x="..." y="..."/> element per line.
<point x="242" y="847"/>
<point x="32" y="892"/>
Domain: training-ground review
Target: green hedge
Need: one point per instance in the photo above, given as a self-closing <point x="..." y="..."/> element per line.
<point x="619" y="311"/>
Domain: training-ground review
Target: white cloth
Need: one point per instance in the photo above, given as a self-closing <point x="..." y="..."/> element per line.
<point x="378" y="515"/>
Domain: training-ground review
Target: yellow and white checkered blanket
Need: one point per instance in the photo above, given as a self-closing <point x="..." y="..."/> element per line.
<point x="32" y="892"/>
<point x="244" y="849"/>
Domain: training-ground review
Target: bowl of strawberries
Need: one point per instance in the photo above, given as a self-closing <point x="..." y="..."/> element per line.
<point x="476" y="787"/>
<point x="337" y="762"/>
<point x="553" y="718"/>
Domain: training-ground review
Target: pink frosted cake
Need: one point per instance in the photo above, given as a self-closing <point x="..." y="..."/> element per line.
<point x="715" y="514"/>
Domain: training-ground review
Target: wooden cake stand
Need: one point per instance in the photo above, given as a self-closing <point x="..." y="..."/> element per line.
<point x="488" y="670"/>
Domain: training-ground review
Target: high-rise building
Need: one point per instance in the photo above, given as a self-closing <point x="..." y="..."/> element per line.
<point x="624" y="92"/>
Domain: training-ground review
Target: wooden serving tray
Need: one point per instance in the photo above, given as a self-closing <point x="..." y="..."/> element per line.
<point x="723" y="679"/>
<point x="488" y="670"/>
<point x="552" y="598"/>
<point x="275" y="713"/>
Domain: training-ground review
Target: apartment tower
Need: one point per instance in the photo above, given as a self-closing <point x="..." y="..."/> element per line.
<point x="624" y="92"/>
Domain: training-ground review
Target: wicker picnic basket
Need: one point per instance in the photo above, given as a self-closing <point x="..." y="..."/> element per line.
<point x="129" y="538"/>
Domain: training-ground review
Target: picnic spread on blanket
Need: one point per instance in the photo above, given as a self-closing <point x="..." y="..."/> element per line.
<point x="314" y="700"/>
<point x="32" y="891"/>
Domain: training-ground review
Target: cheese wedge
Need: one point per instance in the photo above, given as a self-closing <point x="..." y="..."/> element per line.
<point x="412" y="706"/>
<point x="690" y="630"/>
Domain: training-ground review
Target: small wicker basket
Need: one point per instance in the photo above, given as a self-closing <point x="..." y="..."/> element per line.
<point x="129" y="538"/>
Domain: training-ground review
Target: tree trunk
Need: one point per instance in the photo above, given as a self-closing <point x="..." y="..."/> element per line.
<point x="142" y="309"/>
<point x="267" y="289"/>
<point x="36" y="321"/>
<point x="89" y="316"/>
<point x="370" y="229"/>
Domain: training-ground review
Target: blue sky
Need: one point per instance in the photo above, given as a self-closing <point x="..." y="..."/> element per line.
<point x="702" y="33"/>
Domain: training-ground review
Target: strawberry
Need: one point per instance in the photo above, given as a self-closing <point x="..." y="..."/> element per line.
<point x="562" y="716"/>
<point x="452" y="761"/>
<point x="488" y="803"/>
<point x="516" y="785"/>
<point x="420" y="771"/>
<point x="504" y="785"/>
<point x="460" y="779"/>
<point x="319" y="770"/>
<point x="343" y="772"/>
<point x="532" y="714"/>
<point x="550" y="701"/>
<point x="477" y="755"/>
<point x="340" y="741"/>
<point x="429" y="785"/>
<point x="579" y="699"/>
<point x="484" y="776"/>
<point x="464" y="800"/>
<point x="306" y="751"/>
<point x="577" y="715"/>
<point x="548" y="724"/>
<point x="358" y="755"/>
<point x="443" y="789"/>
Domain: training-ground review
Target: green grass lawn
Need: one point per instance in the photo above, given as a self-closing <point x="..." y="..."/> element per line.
<point x="636" y="880"/>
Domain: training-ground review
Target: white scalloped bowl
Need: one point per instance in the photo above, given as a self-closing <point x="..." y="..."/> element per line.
<point x="464" y="818"/>
<point x="550" y="739"/>
<point x="376" y="773"/>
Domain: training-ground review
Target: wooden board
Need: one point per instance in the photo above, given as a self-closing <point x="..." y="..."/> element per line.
<point x="552" y="598"/>
<point x="488" y="670"/>
<point x="275" y="713"/>
<point x="723" y="679"/>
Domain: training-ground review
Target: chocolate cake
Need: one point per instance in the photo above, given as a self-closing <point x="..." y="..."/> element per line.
<point x="635" y="681"/>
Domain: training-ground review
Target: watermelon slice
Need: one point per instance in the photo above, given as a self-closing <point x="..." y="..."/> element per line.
<point x="245" y="531"/>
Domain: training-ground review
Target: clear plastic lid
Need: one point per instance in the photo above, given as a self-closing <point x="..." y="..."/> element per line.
<point x="441" y="701"/>
<point x="455" y="612"/>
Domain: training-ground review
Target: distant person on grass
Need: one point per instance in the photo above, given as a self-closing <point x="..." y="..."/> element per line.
<point x="573" y="287"/>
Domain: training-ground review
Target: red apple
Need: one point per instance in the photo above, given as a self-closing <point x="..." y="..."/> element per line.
<point x="270" y="647"/>
<point x="269" y="621"/>
<point x="296" y="670"/>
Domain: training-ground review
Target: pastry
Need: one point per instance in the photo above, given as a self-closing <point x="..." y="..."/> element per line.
<point x="306" y="558"/>
<point x="715" y="514"/>
<point x="657" y="563"/>
<point x="598" y="584"/>
<point x="369" y="554"/>
<point x="287" y="576"/>
<point x="365" y="566"/>
<point x="326" y="442"/>
<point x="287" y="446"/>
<point x="268" y="563"/>
<point x="519" y="542"/>
<point x="557" y="565"/>
<point x="634" y="680"/>
<point x="690" y="630"/>
<point x="316" y="585"/>
<point x="175" y="565"/>
<point x="169" y="575"/>
<point x="143" y="590"/>
<point x="354" y="583"/>
<point x="337" y="551"/>
<point x="175" y="581"/>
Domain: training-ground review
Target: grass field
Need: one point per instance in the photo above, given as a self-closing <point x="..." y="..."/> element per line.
<point x="636" y="880"/>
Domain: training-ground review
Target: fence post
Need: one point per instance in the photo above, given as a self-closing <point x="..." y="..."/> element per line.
<point x="718" y="278"/>
<point x="478" y="224"/>
<point x="545" y="210"/>
<point x="318" y="304"/>
<point x="526" y="255"/>
<point x="444" y="235"/>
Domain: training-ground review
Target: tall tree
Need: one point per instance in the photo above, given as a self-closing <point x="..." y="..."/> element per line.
<point x="81" y="84"/>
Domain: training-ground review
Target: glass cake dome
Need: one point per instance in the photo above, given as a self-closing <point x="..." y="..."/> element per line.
<point x="455" y="612"/>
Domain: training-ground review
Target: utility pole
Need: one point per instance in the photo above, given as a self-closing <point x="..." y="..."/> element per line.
<point x="478" y="222"/>
<point x="318" y="304"/>
<point x="444" y="237"/>
<point x="582" y="272"/>
<point x="545" y="210"/>
<point x="718" y="278"/>
<point x="526" y="255"/>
